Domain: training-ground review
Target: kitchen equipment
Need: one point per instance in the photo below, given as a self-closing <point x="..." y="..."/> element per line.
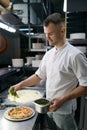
<point x="77" y="36"/>
<point x="41" y="105"/>
<point x="3" y="44"/>
<point x="17" y="62"/>
<point x="36" y="63"/>
<point x="37" y="45"/>
<point x="38" y="57"/>
<point x="29" y="60"/>
<point x="21" y="10"/>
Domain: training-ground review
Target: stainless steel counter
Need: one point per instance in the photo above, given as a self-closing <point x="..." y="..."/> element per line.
<point x="6" y="72"/>
<point x="21" y="125"/>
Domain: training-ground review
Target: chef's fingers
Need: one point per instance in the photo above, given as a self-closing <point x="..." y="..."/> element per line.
<point x="54" y="105"/>
<point x="51" y="106"/>
<point x="15" y="87"/>
<point x="10" y="89"/>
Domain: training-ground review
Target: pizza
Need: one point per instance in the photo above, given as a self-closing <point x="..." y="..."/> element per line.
<point x="25" y="96"/>
<point x="19" y="112"/>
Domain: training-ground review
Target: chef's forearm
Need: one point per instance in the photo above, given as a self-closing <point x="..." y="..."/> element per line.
<point x="32" y="80"/>
<point x="75" y="93"/>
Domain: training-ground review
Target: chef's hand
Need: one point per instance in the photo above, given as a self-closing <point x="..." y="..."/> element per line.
<point x="15" y="87"/>
<point x="55" y="104"/>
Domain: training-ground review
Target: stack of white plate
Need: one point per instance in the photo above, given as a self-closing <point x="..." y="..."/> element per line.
<point x="37" y="45"/>
<point x="77" y="36"/>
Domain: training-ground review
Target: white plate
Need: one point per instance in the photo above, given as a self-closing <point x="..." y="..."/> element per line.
<point x="29" y="117"/>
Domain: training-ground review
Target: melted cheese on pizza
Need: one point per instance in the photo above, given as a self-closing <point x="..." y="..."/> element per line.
<point x="19" y="112"/>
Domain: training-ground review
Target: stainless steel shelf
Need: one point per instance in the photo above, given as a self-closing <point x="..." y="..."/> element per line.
<point x="78" y="42"/>
<point x="38" y="35"/>
<point x="38" y="50"/>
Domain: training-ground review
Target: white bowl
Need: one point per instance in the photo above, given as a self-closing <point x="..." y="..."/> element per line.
<point x="17" y="62"/>
<point x="36" y="63"/>
<point x="29" y="60"/>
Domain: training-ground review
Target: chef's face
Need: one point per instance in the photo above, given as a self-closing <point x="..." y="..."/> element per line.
<point x="54" y="33"/>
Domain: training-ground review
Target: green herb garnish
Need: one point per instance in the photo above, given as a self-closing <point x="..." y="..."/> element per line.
<point x="13" y="93"/>
<point x="42" y="101"/>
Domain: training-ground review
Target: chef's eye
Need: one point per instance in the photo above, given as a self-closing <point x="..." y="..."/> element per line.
<point x="51" y="34"/>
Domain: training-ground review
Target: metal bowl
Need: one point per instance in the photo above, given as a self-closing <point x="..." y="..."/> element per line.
<point x="41" y="105"/>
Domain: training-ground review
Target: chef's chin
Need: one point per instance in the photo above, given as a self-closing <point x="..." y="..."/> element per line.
<point x="51" y="44"/>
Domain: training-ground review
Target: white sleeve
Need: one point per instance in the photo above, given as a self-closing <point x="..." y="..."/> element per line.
<point x="41" y="72"/>
<point x="79" y="66"/>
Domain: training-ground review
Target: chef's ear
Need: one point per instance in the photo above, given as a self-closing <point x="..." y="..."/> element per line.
<point x="63" y="29"/>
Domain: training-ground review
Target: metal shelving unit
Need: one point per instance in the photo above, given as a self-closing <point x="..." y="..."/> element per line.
<point x="32" y="29"/>
<point x="42" y="10"/>
<point x="38" y="37"/>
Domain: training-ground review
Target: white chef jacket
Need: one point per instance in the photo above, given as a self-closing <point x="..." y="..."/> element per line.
<point x="63" y="68"/>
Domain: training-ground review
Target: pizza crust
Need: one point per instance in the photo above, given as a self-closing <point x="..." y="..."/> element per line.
<point x="26" y="96"/>
<point x="19" y="112"/>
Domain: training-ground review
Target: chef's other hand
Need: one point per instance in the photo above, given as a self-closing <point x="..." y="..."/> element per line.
<point x="55" y="104"/>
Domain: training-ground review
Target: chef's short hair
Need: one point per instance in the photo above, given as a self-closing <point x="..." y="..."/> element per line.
<point x="55" y="18"/>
